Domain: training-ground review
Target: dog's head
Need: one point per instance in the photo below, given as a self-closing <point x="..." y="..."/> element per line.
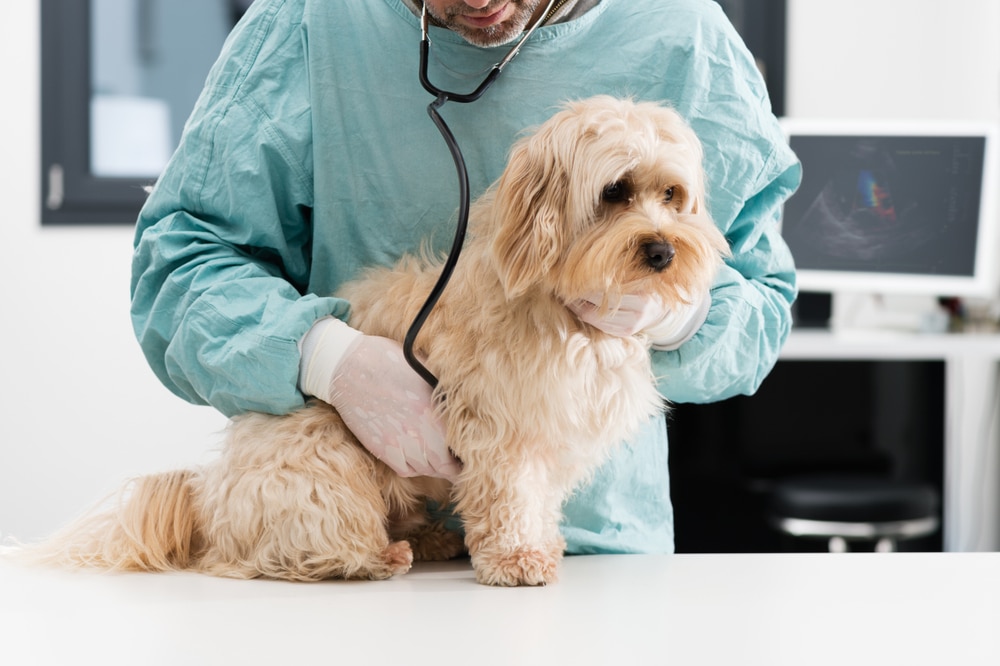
<point x="607" y="196"/>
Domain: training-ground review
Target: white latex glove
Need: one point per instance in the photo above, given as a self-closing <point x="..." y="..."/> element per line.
<point x="666" y="328"/>
<point x="384" y="402"/>
<point x="632" y="314"/>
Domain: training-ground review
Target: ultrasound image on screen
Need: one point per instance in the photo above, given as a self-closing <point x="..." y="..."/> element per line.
<point x="886" y="204"/>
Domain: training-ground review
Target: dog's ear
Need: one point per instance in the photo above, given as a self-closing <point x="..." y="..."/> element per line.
<point x="695" y="203"/>
<point x="676" y="132"/>
<point x="528" y="226"/>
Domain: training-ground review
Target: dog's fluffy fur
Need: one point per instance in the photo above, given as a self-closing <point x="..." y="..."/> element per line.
<point x="533" y="399"/>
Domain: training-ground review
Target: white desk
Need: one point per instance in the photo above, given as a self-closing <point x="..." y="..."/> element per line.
<point x="684" y="610"/>
<point x="971" y="503"/>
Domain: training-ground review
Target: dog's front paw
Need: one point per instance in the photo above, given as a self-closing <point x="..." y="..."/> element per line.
<point x="525" y="566"/>
<point x="397" y="558"/>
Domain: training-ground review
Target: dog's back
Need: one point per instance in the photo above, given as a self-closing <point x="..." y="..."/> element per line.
<point x="385" y="301"/>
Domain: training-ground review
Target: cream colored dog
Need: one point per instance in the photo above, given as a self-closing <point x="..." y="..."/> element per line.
<point x="606" y="197"/>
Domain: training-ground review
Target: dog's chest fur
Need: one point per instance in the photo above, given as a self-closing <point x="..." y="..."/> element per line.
<point x="524" y="375"/>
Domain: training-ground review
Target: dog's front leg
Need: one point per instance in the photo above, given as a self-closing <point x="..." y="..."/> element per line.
<point x="511" y="517"/>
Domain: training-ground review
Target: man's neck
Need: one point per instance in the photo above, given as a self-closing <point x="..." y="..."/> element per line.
<point x="539" y="12"/>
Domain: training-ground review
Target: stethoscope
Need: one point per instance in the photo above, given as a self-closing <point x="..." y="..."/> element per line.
<point x="442" y="96"/>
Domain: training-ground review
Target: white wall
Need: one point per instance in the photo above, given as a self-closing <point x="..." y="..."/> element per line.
<point x="921" y="59"/>
<point x="80" y="409"/>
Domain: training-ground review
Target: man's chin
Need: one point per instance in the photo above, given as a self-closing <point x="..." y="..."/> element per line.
<point x="516" y="20"/>
<point x="488" y="37"/>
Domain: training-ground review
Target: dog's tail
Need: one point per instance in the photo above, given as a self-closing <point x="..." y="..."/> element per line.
<point x="152" y="526"/>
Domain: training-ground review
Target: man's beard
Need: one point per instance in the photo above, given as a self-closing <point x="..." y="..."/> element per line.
<point x="494" y="35"/>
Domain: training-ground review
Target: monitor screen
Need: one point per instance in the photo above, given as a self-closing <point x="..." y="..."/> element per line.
<point x="894" y="208"/>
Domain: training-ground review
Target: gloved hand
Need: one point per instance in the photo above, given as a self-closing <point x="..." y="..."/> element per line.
<point x="384" y="402"/>
<point x="631" y="314"/>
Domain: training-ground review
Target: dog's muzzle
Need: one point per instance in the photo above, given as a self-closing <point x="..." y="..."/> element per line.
<point x="658" y="255"/>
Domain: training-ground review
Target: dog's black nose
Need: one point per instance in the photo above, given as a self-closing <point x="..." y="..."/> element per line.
<point x="658" y="255"/>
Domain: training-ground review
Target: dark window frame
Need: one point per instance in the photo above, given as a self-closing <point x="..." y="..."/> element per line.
<point x="72" y="195"/>
<point x="763" y="26"/>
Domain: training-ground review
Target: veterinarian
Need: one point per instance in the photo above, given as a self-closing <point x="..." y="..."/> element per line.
<point x="310" y="156"/>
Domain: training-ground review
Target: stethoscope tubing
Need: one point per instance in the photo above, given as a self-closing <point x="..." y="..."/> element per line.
<point x="441" y="97"/>
<point x="456" y="247"/>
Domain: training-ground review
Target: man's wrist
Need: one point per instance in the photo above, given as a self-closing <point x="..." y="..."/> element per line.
<point x="322" y="349"/>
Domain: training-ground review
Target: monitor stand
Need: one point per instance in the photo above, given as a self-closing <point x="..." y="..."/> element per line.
<point x="873" y="313"/>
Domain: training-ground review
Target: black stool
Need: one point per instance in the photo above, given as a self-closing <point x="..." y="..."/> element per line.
<point x="841" y="509"/>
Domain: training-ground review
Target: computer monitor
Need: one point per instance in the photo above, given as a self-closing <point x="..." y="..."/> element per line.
<point x="894" y="208"/>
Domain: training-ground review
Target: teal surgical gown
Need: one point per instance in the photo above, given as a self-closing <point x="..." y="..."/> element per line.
<point x="310" y="155"/>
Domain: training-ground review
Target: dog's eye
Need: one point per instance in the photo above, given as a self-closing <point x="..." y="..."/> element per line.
<point x="615" y="192"/>
<point x="668" y="195"/>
